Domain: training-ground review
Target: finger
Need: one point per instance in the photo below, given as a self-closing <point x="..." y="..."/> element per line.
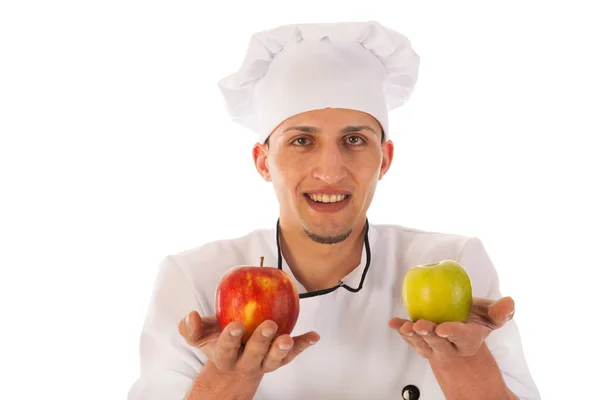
<point x="257" y="347"/>
<point x="420" y="345"/>
<point x="301" y="343"/>
<point x="402" y="326"/>
<point x="191" y="326"/>
<point x="502" y="311"/>
<point x="396" y="323"/>
<point x="462" y="335"/>
<point x="423" y="327"/>
<point x="456" y="331"/>
<point x="196" y="329"/>
<point x="278" y="351"/>
<point x="228" y="346"/>
<point x="441" y="347"/>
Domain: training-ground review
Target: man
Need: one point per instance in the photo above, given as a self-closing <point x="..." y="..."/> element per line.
<point x="318" y="95"/>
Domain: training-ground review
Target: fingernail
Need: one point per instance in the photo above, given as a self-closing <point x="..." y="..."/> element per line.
<point x="408" y="334"/>
<point x="268" y="332"/>
<point x="188" y="324"/>
<point x="444" y="335"/>
<point x="235" y="332"/>
<point x="311" y="342"/>
<point x="423" y="333"/>
<point x="284" y="346"/>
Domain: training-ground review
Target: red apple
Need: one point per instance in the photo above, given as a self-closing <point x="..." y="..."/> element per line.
<point x="254" y="294"/>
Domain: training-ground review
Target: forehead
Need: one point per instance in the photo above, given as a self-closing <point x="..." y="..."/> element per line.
<point x="331" y="116"/>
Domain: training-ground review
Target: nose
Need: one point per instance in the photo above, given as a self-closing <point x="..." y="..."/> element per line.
<point x="330" y="166"/>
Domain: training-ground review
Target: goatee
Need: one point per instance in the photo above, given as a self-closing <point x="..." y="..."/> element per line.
<point x="327" y="239"/>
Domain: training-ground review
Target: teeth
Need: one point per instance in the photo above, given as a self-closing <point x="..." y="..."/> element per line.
<point x="328" y="198"/>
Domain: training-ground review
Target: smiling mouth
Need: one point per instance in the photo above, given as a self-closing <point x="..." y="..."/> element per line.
<point x="326" y="198"/>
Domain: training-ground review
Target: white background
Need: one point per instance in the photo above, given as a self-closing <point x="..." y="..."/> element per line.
<point x="116" y="151"/>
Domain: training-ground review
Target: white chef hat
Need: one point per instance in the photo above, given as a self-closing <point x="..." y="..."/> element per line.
<point x="291" y="69"/>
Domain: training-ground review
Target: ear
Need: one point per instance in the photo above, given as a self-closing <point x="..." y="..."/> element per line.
<point x="259" y="154"/>
<point x="388" y="155"/>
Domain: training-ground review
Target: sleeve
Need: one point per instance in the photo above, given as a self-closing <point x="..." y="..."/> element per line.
<point x="504" y="343"/>
<point x="168" y="365"/>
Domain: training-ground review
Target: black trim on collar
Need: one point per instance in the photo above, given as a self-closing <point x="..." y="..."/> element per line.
<point x="340" y="283"/>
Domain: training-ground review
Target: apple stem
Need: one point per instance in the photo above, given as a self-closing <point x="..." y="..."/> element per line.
<point x="262" y="259"/>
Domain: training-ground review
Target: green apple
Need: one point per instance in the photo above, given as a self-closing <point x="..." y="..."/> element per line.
<point x="437" y="292"/>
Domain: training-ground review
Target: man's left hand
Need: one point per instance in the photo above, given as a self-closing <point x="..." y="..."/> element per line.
<point x="450" y="341"/>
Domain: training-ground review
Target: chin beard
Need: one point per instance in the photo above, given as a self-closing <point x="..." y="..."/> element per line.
<point x="327" y="239"/>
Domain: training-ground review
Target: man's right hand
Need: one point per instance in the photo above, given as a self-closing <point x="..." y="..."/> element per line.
<point x="264" y="352"/>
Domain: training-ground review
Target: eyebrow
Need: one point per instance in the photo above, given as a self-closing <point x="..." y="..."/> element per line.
<point x="347" y="129"/>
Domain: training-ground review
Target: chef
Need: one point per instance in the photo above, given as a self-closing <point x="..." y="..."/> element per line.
<point x="317" y="96"/>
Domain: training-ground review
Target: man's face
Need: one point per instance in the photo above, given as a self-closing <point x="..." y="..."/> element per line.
<point x="324" y="166"/>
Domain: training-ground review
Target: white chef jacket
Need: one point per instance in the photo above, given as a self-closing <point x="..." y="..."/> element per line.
<point x="358" y="357"/>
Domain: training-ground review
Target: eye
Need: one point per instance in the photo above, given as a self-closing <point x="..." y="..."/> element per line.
<point x="301" y="141"/>
<point x="355" y="140"/>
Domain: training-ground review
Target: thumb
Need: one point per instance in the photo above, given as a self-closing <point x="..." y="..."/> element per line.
<point x="502" y="311"/>
<point x="197" y="330"/>
<point x="193" y="326"/>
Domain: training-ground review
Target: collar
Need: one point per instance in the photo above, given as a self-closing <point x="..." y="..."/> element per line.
<point x="367" y="262"/>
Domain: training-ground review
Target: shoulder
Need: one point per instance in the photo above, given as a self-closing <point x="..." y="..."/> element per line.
<point x="216" y="257"/>
<point x="410" y="246"/>
<point x="418" y="241"/>
<point x="205" y="264"/>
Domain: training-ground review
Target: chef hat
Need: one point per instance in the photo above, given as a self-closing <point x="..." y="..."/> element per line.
<point x="296" y="68"/>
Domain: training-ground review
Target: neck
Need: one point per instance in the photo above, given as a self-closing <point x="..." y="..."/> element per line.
<point x="320" y="266"/>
